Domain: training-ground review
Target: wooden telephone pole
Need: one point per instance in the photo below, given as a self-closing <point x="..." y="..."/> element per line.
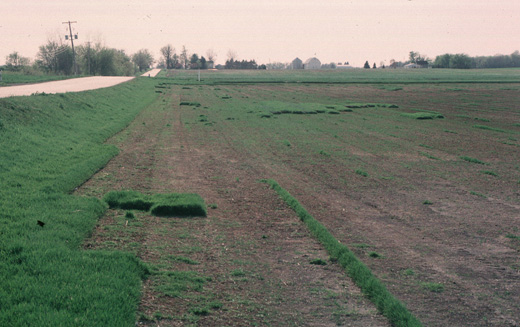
<point x="72" y="42"/>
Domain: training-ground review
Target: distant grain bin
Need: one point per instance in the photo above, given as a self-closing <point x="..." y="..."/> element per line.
<point x="312" y="63"/>
<point x="296" y="64"/>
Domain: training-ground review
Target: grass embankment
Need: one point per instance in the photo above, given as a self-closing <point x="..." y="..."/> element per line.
<point x="50" y="144"/>
<point x="11" y="78"/>
<point x="386" y="303"/>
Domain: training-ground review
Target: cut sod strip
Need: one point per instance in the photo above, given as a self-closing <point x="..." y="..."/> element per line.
<point x="162" y="205"/>
<point x="387" y="304"/>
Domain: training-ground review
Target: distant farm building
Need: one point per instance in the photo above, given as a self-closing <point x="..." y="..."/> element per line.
<point x="296" y="64"/>
<point x="312" y="63"/>
<point x="345" y="65"/>
<point x="419" y="64"/>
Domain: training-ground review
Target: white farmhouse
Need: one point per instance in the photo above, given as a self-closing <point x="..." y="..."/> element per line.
<point x="312" y="63"/>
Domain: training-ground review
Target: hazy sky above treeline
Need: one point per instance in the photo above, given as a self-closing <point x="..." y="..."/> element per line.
<point x="270" y="30"/>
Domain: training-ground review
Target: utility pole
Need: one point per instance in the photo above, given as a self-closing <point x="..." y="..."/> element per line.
<point x="88" y="56"/>
<point x="72" y="42"/>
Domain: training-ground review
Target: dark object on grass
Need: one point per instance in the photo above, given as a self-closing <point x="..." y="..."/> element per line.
<point x="41" y="223"/>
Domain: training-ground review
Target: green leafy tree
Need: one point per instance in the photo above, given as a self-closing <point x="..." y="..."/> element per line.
<point x="143" y="60"/>
<point x="194" y="61"/>
<point x="367" y="65"/>
<point x="16" y="62"/>
<point x="203" y="63"/>
<point x="460" y="61"/>
<point x="442" y="61"/>
<point x="46" y="56"/>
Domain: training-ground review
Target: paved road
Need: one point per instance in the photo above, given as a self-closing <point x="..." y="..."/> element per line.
<point x="152" y="73"/>
<point x="69" y="85"/>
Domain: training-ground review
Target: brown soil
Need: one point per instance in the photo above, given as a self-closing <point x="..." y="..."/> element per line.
<point x="457" y="243"/>
<point x="255" y="250"/>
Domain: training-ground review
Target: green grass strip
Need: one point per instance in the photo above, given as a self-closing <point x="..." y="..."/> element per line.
<point x="386" y="303"/>
<point x="473" y="160"/>
<point x="490" y="128"/>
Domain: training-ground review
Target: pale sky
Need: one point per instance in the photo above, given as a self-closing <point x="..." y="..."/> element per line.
<point x="270" y="30"/>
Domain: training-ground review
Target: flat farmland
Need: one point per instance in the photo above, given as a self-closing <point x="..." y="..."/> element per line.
<point x="325" y="198"/>
<point x="420" y="180"/>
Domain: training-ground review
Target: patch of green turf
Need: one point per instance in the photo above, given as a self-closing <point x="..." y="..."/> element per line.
<point x="187" y="103"/>
<point x="128" y="200"/>
<point x="179" y="205"/>
<point x="318" y="262"/>
<point x="163" y="205"/>
<point x="473" y="160"/>
<point x="433" y="287"/>
<point x="361" y="172"/>
<point x="423" y="115"/>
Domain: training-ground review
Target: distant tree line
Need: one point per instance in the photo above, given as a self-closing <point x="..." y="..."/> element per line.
<point x="463" y="61"/>
<point x="184" y="60"/>
<point x="244" y="64"/>
<point x="54" y="57"/>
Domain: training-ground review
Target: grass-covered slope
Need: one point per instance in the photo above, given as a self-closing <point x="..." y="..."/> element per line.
<point x="48" y="146"/>
<point x="13" y="78"/>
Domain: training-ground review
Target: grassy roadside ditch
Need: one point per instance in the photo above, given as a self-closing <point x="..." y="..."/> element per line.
<point x="387" y="304"/>
<point x="49" y="145"/>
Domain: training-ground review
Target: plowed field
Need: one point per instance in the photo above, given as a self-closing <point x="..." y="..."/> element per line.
<point x="432" y="206"/>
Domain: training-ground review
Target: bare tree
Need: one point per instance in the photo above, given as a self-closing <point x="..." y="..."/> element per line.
<point x="211" y="54"/>
<point x="167" y="52"/>
<point x="232" y="55"/>
<point x="183" y="58"/>
<point x="15" y="61"/>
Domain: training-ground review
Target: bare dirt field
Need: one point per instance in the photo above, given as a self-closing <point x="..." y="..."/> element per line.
<point x="431" y="206"/>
